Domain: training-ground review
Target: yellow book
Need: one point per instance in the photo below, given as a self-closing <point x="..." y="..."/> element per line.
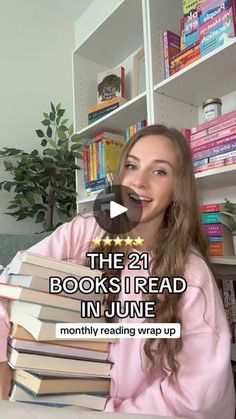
<point x="112" y="152"/>
<point x="95" y="168"/>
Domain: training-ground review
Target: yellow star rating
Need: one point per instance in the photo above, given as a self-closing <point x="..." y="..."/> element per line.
<point x="138" y="241"/>
<point x="107" y="241"/>
<point x="96" y="241"/>
<point x="128" y="241"/>
<point x="117" y="241"/>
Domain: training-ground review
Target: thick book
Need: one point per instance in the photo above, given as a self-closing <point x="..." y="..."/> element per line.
<point x="109" y="136"/>
<point x="43" y="384"/>
<point x="18" y="332"/>
<point x="212" y="207"/>
<point x="215" y="151"/>
<point x="42" y="284"/>
<point x="53" y="314"/>
<point x="14" y="292"/>
<point x="110" y="83"/>
<point x="50" y="264"/>
<point x="106" y="103"/>
<point x="41" y="330"/>
<point x="208" y="124"/>
<point x="46" y="363"/>
<point x="171" y="47"/>
<point x="56" y="350"/>
<point x="95" y="402"/>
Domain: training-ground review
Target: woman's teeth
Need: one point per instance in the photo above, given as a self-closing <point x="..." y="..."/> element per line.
<point x="140" y="198"/>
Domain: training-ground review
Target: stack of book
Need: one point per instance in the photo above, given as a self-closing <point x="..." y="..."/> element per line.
<point x="47" y="369"/>
<point x="101" y="156"/>
<point x="205" y="26"/>
<point x="220" y="237"/>
<point x="213" y="143"/>
<point x="137" y="126"/>
<point x="110" y="93"/>
<point x="104" y="108"/>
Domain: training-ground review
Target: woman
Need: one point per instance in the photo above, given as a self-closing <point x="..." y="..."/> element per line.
<point x="187" y="377"/>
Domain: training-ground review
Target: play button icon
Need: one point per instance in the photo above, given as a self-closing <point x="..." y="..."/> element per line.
<point x="118" y="209"/>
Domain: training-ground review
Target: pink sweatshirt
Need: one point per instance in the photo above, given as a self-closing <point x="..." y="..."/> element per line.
<point x="205" y="388"/>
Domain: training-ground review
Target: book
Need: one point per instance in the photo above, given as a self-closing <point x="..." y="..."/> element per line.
<point x="29" y="361"/>
<point x="202" y="135"/>
<point x="42" y="284"/>
<point x="109" y="136"/>
<point x="184" y="58"/>
<point x="18" y="332"/>
<point x="41" y="330"/>
<point x="49" y="313"/>
<point x="106" y="103"/>
<point x="14" y="292"/>
<point x="210" y="9"/>
<point x="43" y="384"/>
<point x="95" y="402"/>
<point x="171" y="47"/>
<point x="215" y="151"/>
<point x="211" y="217"/>
<point x="99" y="114"/>
<point x="111" y="83"/>
<point x="191" y="23"/>
<point x="208" y="208"/>
<point x="54" y="264"/>
<point x="56" y="350"/>
<point x="205" y="144"/>
<point x="217" y="31"/>
<point x="208" y="124"/>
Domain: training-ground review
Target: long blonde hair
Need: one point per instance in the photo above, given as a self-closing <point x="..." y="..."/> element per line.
<point x="180" y="234"/>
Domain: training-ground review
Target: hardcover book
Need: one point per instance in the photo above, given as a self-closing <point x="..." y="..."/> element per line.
<point x="110" y="84"/>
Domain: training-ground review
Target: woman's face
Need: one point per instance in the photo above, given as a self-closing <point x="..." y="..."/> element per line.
<point x="149" y="172"/>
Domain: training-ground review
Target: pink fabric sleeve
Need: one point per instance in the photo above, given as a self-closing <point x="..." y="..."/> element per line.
<point x="65" y="242"/>
<point x="205" y="387"/>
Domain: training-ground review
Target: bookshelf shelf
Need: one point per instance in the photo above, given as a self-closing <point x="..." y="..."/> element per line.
<point x="223" y="260"/>
<point x="217" y="178"/>
<point x="119" y="119"/>
<point x="205" y="78"/>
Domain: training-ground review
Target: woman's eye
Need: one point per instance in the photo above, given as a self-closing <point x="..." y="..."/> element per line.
<point x="160" y="172"/>
<point x="130" y="166"/>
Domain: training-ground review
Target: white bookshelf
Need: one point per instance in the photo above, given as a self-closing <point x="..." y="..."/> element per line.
<point x="175" y="101"/>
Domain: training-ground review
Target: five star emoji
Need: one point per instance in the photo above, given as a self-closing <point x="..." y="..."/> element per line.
<point x="96" y="241"/>
<point x="107" y="241"/>
<point x="128" y="241"/>
<point x="138" y="241"/>
<point x="117" y="241"/>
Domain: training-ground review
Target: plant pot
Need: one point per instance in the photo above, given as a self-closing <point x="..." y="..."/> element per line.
<point x="234" y="240"/>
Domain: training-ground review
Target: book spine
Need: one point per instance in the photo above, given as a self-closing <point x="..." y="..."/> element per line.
<point x="206" y="208"/>
<point x="220" y="134"/>
<point x="103" y="111"/>
<point x="214" y="32"/>
<point x="215" y="151"/>
<point x="215" y="128"/>
<point x="186" y="132"/>
<point x="209" y="166"/>
<point x="222" y="156"/>
<point x="213" y="122"/>
<point x="216" y="143"/>
<point x="215" y="249"/>
<point x="200" y="162"/>
<point x="97" y="160"/>
<point x="103" y="158"/>
<point x="211" y="218"/>
<point x="105" y="104"/>
<point x="94" y="162"/>
<point x="213" y="229"/>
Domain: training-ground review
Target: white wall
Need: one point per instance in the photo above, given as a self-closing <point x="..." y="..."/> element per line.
<point x="36" y="68"/>
<point x="92" y="17"/>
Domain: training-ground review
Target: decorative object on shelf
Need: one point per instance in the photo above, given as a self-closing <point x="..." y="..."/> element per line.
<point x="111" y="83"/>
<point x="138" y="74"/>
<point x="228" y="218"/>
<point x="44" y="184"/>
<point x="212" y="108"/>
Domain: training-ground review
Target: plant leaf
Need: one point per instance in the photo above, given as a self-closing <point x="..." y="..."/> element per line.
<point x="46" y="122"/>
<point x="39" y="133"/>
<point x="49" y="132"/>
<point x="53" y="107"/>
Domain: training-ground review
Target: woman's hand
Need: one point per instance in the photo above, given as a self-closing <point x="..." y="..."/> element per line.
<point x="5" y="380"/>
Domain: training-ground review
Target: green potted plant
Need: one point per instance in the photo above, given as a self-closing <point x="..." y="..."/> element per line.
<point x="228" y="218"/>
<point x="44" y="182"/>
